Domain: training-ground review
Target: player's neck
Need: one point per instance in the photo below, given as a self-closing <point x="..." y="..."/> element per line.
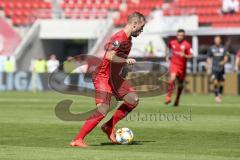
<point x="180" y="41"/>
<point x="127" y="30"/>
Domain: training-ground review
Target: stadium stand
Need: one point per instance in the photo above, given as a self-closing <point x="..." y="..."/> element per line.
<point x="10" y="38"/>
<point x="25" y="12"/>
<point x="143" y="6"/>
<point x="209" y="12"/>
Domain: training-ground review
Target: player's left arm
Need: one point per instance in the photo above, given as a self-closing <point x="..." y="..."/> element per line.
<point x="189" y="52"/>
<point x="225" y="59"/>
<point x="237" y="62"/>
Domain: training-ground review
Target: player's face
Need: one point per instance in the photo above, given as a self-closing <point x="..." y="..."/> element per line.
<point x="138" y="28"/>
<point x="217" y="41"/>
<point x="180" y="36"/>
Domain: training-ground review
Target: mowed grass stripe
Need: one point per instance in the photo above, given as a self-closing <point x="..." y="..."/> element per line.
<point x="158" y="139"/>
<point x="30" y="130"/>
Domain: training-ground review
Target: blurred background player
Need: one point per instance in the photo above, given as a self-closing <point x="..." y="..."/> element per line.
<point x="52" y="63"/>
<point x="230" y="6"/>
<point x="180" y="51"/>
<point x="217" y="58"/>
<point x="115" y="58"/>
<point x="9" y="65"/>
<point x="237" y="61"/>
<point x="149" y="49"/>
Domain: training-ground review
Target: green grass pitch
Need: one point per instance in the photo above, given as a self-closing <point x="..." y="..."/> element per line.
<point x="201" y="129"/>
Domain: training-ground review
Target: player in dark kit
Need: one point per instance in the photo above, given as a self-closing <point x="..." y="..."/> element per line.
<point x="108" y="82"/>
<point x="180" y="51"/>
<point x="217" y="58"/>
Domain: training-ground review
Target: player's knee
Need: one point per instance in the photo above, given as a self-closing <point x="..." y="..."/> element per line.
<point x="133" y="101"/>
<point x="103" y="108"/>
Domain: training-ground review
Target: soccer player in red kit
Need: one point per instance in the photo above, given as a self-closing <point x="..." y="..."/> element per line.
<point x="180" y="51"/>
<point x="108" y="82"/>
<point x="237" y="61"/>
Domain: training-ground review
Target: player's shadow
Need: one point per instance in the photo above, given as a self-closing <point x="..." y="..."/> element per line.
<point x="133" y="143"/>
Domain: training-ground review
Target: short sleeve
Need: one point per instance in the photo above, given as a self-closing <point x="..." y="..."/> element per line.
<point x="238" y="53"/>
<point x="209" y="52"/>
<point x="113" y="44"/>
<point x="226" y="53"/>
<point x="189" y="50"/>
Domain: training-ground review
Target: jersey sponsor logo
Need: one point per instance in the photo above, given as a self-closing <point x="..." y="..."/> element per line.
<point x="221" y="50"/>
<point x="213" y="50"/>
<point x="218" y="54"/>
<point x="125" y="46"/>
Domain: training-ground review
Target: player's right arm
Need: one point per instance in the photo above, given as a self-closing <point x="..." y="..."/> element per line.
<point x="209" y="60"/>
<point x="112" y="48"/>
<point x="168" y="52"/>
<point x="112" y="56"/>
<point x="237" y="62"/>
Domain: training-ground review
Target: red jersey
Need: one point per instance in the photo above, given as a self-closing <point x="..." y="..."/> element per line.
<point x="238" y="53"/>
<point x="120" y="43"/>
<point x="177" y="47"/>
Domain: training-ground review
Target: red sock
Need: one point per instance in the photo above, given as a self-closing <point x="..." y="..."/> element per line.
<point x="120" y="113"/>
<point x="89" y="125"/>
<point x="170" y="88"/>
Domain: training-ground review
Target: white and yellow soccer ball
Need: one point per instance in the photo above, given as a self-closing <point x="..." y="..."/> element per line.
<point x="124" y="136"/>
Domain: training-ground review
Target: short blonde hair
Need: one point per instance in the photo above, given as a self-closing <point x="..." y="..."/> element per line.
<point x="136" y="15"/>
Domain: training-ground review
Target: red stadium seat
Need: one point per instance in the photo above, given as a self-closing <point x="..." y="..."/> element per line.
<point x="208" y="12"/>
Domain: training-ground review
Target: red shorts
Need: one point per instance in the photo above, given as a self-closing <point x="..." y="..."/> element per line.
<point x="179" y="71"/>
<point x="104" y="89"/>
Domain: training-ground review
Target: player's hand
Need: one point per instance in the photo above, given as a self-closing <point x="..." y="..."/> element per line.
<point x="130" y="61"/>
<point x="236" y="68"/>
<point x="221" y="63"/>
<point x="182" y="54"/>
<point x="208" y="70"/>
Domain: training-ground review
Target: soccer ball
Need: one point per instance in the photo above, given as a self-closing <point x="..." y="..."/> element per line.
<point x="124" y="136"/>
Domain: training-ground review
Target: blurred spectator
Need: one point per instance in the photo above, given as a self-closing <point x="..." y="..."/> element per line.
<point x="81" y="65"/>
<point x="235" y="6"/>
<point x="230" y="6"/>
<point x="1" y="43"/>
<point x="237" y="61"/>
<point x="69" y="65"/>
<point x="9" y="65"/>
<point x="150" y="49"/>
<point x="52" y="64"/>
<point x="40" y="66"/>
